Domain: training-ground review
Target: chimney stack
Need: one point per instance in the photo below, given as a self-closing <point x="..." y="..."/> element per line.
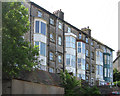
<point x="86" y="30"/>
<point x="59" y="14"/>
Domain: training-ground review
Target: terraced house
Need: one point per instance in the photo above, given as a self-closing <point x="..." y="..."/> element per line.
<point x="62" y="46"/>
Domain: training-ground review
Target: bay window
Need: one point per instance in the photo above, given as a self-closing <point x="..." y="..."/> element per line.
<point x="43" y="49"/>
<point x="40" y="27"/>
<point x="70" y="41"/>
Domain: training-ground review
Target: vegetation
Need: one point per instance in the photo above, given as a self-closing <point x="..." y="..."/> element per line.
<point x="17" y="54"/>
<point x="74" y="87"/>
<point x="116" y="75"/>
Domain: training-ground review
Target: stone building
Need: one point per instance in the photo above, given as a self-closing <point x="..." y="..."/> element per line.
<point x="116" y="62"/>
<point x="62" y="46"/>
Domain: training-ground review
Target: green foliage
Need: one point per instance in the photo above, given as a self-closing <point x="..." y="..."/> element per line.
<point x="118" y="83"/>
<point x="116" y="75"/>
<point x="70" y="83"/>
<point x="17" y="54"/>
<point x="73" y="86"/>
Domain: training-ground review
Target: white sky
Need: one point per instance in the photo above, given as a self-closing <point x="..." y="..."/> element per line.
<point x="100" y="15"/>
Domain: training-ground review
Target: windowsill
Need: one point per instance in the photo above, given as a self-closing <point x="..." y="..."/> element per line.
<point x="40" y="33"/>
<point x="52" y="24"/>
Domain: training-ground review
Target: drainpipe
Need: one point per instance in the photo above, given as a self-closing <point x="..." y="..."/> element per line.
<point x="90" y="62"/>
<point x="56" y="47"/>
<point x="30" y="23"/>
<point x="63" y="45"/>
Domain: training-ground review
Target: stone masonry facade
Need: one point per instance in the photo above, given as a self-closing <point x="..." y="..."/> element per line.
<point x="62" y="46"/>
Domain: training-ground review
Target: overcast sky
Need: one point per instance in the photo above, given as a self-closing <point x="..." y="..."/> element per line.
<point x="100" y="15"/>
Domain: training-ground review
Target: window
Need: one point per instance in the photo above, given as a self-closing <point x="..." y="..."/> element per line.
<point x="83" y="37"/>
<point x="42" y="67"/>
<point x="105" y="72"/>
<point x="43" y="49"/>
<point x="101" y="70"/>
<point x="87" y="66"/>
<point x="43" y="28"/>
<point x="80" y="76"/>
<point x="39" y="14"/>
<point x="51" y="70"/>
<point x="87" y="78"/>
<point x="87" y="53"/>
<point x="79" y="62"/>
<point x="59" y="40"/>
<point x="92" y="55"/>
<point x="69" y="30"/>
<point x="91" y="43"/>
<point x="79" y="47"/>
<point x="37" y="44"/>
<point x="86" y="39"/>
<point x="83" y="76"/>
<point x="73" y="42"/>
<point x="39" y="29"/>
<point x="97" y="71"/>
<point x="70" y="42"/>
<point x="83" y="64"/>
<point x="108" y="73"/>
<point x="67" y="59"/>
<point x="51" y="21"/>
<point x="83" y="48"/>
<point x="51" y="37"/>
<point x="80" y="36"/>
<point x="60" y="25"/>
<point x="51" y="56"/>
<point x="59" y="59"/>
<point x="70" y="60"/>
<point x="73" y="61"/>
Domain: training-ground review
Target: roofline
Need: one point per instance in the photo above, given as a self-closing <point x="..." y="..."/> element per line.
<point x="116" y="59"/>
<point x="67" y="23"/>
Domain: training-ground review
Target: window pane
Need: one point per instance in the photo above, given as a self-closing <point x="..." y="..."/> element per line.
<point x="51" y="70"/>
<point x="51" y="21"/>
<point x="37" y="44"/>
<point x="80" y="36"/>
<point x="51" y="56"/>
<point x="69" y="29"/>
<point x="67" y="59"/>
<point x="67" y="39"/>
<point x="37" y="27"/>
<point x="39" y="14"/>
<point x="59" y="40"/>
<point x="43" y="28"/>
<point x="59" y="59"/>
<point x="42" y="49"/>
<point x="72" y="60"/>
<point x="60" y="25"/>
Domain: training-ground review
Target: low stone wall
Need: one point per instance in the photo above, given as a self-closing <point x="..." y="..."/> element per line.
<point x="24" y="87"/>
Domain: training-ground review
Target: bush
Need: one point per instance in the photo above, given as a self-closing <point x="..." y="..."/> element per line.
<point x="73" y="86"/>
<point x="118" y="83"/>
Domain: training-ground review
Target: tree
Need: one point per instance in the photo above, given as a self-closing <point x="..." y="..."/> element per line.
<point x="74" y="87"/>
<point x="17" y="54"/>
<point x="116" y="75"/>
